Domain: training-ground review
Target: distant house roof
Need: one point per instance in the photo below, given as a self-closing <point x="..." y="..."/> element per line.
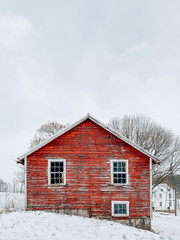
<point x="88" y="116"/>
<point x="174" y="181"/>
<point x="164" y="184"/>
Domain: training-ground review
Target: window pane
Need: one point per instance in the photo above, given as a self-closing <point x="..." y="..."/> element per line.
<point x="124" y="209"/>
<point x="57" y="175"/>
<point x="120" y="209"/>
<point x="57" y="169"/>
<point x="57" y="172"/>
<point x="115" y="179"/>
<point x="121" y="178"/>
<point x="119" y="166"/>
<point x="124" y="180"/>
<point x="57" y="180"/>
<point x="61" y="177"/>
<point x="123" y="167"/>
<point x="114" y="166"/>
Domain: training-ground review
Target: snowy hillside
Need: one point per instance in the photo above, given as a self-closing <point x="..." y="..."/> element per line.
<point x="43" y="225"/>
<point x="166" y="225"/>
<point x="38" y="225"/>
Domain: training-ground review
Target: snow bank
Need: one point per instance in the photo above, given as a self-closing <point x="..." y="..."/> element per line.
<point x="166" y="225"/>
<point x="44" y="225"/>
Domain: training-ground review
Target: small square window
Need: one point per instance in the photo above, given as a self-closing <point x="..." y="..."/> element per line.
<point x="120" y="208"/>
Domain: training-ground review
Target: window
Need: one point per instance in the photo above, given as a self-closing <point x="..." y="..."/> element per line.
<point x="169" y="195"/>
<point x="120" y="208"/>
<point x="57" y="171"/>
<point x="119" y="172"/>
<point x="161" y="190"/>
<point x="170" y="204"/>
<point x="160" y="195"/>
<point x="160" y="204"/>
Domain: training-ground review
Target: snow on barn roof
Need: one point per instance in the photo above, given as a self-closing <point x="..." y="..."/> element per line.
<point x="88" y="116"/>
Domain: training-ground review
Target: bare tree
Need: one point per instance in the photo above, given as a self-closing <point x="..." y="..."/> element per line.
<point x="46" y="131"/>
<point x="15" y="185"/>
<point x="152" y="137"/>
<point x="19" y="179"/>
<point x="4" y="186"/>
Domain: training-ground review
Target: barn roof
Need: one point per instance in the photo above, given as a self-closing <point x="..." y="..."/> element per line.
<point x="88" y="116"/>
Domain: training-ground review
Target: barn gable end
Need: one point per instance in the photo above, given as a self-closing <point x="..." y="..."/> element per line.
<point x="87" y="152"/>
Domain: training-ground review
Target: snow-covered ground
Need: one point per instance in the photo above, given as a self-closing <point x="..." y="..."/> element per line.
<point x="46" y="226"/>
<point x="38" y="225"/>
<point x="166" y="225"/>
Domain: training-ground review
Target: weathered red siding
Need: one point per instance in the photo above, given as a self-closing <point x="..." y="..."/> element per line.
<point x="88" y="149"/>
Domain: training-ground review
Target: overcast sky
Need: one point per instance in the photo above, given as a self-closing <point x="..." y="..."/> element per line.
<point x="60" y="60"/>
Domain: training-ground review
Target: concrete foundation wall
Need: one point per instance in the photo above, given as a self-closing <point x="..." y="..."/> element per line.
<point x="142" y="223"/>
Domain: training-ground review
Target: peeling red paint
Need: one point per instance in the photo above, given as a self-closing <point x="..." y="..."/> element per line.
<point x="88" y="149"/>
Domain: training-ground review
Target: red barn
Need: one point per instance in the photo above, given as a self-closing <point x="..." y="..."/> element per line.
<point x="90" y="170"/>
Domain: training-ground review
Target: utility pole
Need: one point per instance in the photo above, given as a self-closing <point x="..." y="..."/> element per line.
<point x="169" y="198"/>
<point x="175" y="202"/>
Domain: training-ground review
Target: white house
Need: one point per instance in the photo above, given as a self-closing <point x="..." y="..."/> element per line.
<point x="163" y="198"/>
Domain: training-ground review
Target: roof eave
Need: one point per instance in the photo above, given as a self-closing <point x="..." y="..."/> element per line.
<point x="52" y="138"/>
<point x="125" y="140"/>
<point x="88" y="116"/>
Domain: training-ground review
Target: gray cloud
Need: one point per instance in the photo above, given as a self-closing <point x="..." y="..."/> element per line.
<point x="63" y="59"/>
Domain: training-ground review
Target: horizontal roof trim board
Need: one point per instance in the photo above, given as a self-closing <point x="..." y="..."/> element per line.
<point x="88" y="116"/>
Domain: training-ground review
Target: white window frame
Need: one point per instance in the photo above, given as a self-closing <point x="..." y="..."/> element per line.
<point x="49" y="170"/>
<point x="119" y="202"/>
<point x="127" y="175"/>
